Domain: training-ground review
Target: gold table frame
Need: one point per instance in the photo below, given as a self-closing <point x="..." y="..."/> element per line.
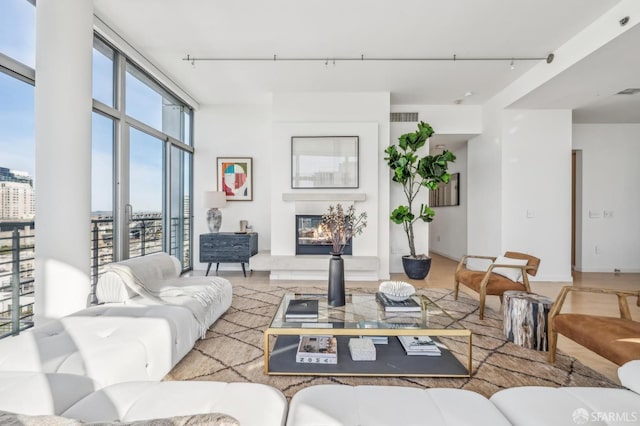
<point x="426" y="306"/>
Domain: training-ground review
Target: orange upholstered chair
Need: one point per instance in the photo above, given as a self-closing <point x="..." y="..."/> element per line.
<point x="614" y="338"/>
<point x="498" y="277"/>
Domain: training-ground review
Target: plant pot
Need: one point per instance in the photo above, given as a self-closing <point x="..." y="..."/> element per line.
<point x="416" y="268"/>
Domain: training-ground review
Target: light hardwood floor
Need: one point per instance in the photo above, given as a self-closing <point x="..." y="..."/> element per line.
<point x="441" y="276"/>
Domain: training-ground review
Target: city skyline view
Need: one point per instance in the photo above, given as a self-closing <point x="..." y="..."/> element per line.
<point x="17" y="118"/>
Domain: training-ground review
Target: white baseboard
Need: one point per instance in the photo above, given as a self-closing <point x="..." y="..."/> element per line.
<point x="608" y="270"/>
<point x="552" y="278"/>
<point x="448" y="256"/>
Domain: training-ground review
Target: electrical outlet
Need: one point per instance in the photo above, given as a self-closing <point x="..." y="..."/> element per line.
<point x="607" y="214"/>
<point x="594" y="214"/>
<point x="438" y="238"/>
<point x="597" y="249"/>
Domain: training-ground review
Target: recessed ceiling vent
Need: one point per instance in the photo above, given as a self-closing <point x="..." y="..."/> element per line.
<point x="629" y="92"/>
<point x="404" y="117"/>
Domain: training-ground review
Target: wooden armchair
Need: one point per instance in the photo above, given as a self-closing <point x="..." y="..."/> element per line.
<point x="616" y="339"/>
<point x="489" y="283"/>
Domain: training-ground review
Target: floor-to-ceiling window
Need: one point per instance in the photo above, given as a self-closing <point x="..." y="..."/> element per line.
<point x="142" y="162"/>
<point x="17" y="164"/>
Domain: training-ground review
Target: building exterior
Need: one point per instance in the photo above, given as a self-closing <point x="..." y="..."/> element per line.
<point x="17" y="195"/>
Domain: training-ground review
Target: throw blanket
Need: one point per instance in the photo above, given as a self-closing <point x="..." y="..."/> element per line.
<point x="197" y="294"/>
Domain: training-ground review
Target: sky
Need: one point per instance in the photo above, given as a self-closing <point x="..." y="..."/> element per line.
<point x="17" y="40"/>
<point x="17" y="146"/>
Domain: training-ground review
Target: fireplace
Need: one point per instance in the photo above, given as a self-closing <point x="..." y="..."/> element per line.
<point x="310" y="237"/>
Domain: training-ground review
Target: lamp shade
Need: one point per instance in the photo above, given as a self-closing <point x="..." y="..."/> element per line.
<point x="214" y="199"/>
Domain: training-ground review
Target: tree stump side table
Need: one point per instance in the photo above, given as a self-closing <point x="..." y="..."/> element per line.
<point x="525" y="319"/>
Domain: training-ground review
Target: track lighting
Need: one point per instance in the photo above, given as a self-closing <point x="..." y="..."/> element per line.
<point x="362" y="58"/>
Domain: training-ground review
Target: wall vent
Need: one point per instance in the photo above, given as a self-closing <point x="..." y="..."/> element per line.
<point x="404" y="117"/>
<point x="629" y="92"/>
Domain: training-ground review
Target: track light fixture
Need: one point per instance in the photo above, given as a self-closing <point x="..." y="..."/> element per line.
<point x="549" y="58"/>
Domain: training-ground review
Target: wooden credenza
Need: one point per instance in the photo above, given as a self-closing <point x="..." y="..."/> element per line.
<point x="227" y="247"/>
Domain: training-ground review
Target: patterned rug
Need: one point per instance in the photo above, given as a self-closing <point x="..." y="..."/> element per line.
<point x="232" y="351"/>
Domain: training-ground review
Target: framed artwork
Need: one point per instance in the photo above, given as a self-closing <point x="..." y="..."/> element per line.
<point x="324" y="161"/>
<point x="235" y="178"/>
<point x="446" y="194"/>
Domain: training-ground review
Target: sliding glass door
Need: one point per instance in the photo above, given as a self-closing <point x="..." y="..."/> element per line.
<point x="146" y="194"/>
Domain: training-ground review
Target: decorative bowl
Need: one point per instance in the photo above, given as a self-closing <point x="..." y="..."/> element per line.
<point x="397" y="290"/>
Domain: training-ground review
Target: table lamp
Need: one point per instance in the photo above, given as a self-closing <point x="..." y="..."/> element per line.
<point x="214" y="200"/>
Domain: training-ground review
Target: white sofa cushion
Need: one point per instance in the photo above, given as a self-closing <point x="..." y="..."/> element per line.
<point x="155" y="278"/>
<point x="111" y="288"/>
<point x="250" y="403"/>
<point x="629" y="375"/>
<point x="109" y="343"/>
<point x="538" y="405"/>
<point x="329" y="405"/>
<point x="41" y="394"/>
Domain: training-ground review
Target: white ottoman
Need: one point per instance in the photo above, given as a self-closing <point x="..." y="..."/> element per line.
<point x="344" y="405"/>
<point x="252" y="404"/>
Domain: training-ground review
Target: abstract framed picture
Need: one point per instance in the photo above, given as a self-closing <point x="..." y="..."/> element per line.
<point x="324" y="161"/>
<point x="235" y="178"/>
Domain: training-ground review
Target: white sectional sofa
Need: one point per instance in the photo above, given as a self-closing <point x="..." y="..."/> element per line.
<point x="105" y="363"/>
<point x="342" y="405"/>
<point x="140" y="337"/>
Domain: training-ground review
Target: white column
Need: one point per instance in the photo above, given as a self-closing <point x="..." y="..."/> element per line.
<point x="64" y="40"/>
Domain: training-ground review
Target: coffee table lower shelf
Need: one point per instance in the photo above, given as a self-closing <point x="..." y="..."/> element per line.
<point x="391" y="360"/>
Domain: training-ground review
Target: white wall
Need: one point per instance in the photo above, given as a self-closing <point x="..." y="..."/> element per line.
<point x="448" y="230"/>
<point x="611" y="183"/>
<point x="362" y="114"/>
<point x="233" y="131"/>
<point x="536" y="188"/>
<point x="519" y="188"/>
<point x="484" y="187"/>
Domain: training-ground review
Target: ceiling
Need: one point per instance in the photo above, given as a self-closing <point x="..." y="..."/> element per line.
<point x="166" y="31"/>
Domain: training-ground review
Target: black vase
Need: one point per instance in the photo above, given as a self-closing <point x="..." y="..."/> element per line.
<point x="416" y="269"/>
<point x="335" y="293"/>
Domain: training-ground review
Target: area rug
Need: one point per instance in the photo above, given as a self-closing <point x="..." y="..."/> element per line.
<point x="232" y="350"/>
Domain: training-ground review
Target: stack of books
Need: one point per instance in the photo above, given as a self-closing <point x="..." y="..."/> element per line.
<point x="407" y="305"/>
<point x="302" y="310"/>
<point x="317" y="350"/>
<point x="377" y="340"/>
<point x="419" y="345"/>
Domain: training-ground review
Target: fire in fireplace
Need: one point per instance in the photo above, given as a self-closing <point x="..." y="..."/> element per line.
<point x="311" y="238"/>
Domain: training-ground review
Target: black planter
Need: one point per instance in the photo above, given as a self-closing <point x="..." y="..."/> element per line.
<point x="336" y="293"/>
<point x="416" y="269"/>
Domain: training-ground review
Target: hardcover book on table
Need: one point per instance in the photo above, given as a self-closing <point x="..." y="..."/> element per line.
<point x="419" y="345"/>
<point x="317" y="350"/>
<point x="407" y="305"/>
<point x="302" y="309"/>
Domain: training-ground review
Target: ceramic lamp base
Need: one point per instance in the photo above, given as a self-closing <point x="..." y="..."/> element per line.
<point x="214" y="220"/>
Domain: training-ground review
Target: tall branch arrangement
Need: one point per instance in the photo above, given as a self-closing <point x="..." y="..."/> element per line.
<point x="342" y="225"/>
<point x="414" y="172"/>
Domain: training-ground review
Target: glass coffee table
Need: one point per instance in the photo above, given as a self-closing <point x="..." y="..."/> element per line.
<point x="363" y="316"/>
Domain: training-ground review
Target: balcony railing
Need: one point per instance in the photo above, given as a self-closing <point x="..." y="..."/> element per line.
<point x="17" y="261"/>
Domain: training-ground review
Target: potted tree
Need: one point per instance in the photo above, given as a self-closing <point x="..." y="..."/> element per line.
<point x="415" y="172"/>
